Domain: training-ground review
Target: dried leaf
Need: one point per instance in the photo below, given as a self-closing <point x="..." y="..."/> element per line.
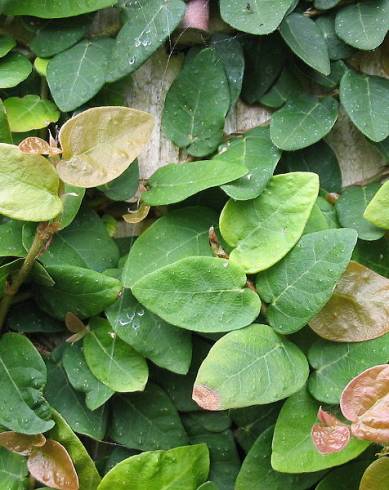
<point x="73" y="323"/>
<point x="137" y="216"/>
<point x="21" y="443"/>
<point x="330" y="435"/>
<point x="38" y="146"/>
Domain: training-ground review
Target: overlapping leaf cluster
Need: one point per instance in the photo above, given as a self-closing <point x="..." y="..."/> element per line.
<point x="191" y="348"/>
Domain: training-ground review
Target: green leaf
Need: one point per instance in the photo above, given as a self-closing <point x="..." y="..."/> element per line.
<point x="264" y="229"/>
<point x="147" y="421"/>
<point x="364" y="24"/>
<point x="30" y="112"/>
<point x="336" y="364"/>
<point x="22" y="379"/>
<point x="181" y="233"/>
<point x="303" y="121"/>
<point x="337" y="49"/>
<point x="112" y="361"/>
<point x="306" y="40"/>
<point x="11" y="244"/>
<point x="346" y="477"/>
<point x="13" y="471"/>
<point x="293" y="449"/>
<point x="377" y="209"/>
<point x="149" y="23"/>
<point x="376" y="257"/>
<point x="287" y="86"/>
<point x="123" y="187"/>
<point x="6" y="271"/>
<point x="27" y="318"/>
<point x="82" y="379"/>
<point x="70" y="404"/>
<point x="197" y="423"/>
<point x="84" y="465"/>
<point x="83" y="292"/>
<point x="179" y="468"/>
<point x="255" y="17"/>
<point x="257" y="473"/>
<point x="196" y="105"/>
<point x="6" y="44"/>
<point x="325" y="4"/>
<point x="203" y="294"/>
<point x="253" y="366"/>
<point x="327" y="166"/>
<point x="71" y="200"/>
<point x="56" y="8"/>
<point x="258" y="154"/>
<point x="173" y="183"/>
<point x="150" y="335"/>
<point x="350" y="208"/>
<point x="365" y="99"/>
<point x="5" y="131"/>
<point x="209" y="485"/>
<point x="77" y="74"/>
<point x="14" y="69"/>
<point x="300" y="285"/>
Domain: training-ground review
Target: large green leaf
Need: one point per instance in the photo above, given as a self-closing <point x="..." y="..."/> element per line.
<point x="365" y="99"/>
<point x="173" y="183"/>
<point x="77" y="74"/>
<point x="147" y="421"/>
<point x="150" y="335"/>
<point x="256" y="151"/>
<point x="81" y="291"/>
<point x="257" y="473"/>
<point x="149" y="23"/>
<point x="54" y="8"/>
<point x="176" y="469"/>
<point x="300" y="285"/>
<point x="293" y="448"/>
<point x="28" y="179"/>
<point x="181" y="233"/>
<point x="263" y="230"/>
<point x="196" y="105"/>
<point x="14" y="69"/>
<point x="256" y="17"/>
<point x="30" y="112"/>
<point x="112" y="361"/>
<point x="203" y="294"/>
<point x="364" y="24"/>
<point x="377" y="209"/>
<point x="11" y="244"/>
<point x="306" y="40"/>
<point x="350" y="208"/>
<point x="336" y="364"/>
<point x="303" y="121"/>
<point x="251" y="366"/>
<point x="13" y="471"/>
<point x="22" y="379"/>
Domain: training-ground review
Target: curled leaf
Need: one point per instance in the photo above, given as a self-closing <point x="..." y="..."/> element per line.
<point x="21" y="443"/>
<point x="330" y="435"/>
<point x="137" y="216"/>
<point x="52" y="465"/>
<point x="38" y="146"/>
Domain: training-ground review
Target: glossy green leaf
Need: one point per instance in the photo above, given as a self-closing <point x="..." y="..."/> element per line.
<point x="252" y="366"/>
<point x="30" y="112"/>
<point x="123" y="187"/>
<point x="14" y="69"/>
<point x="364" y="24"/>
<point x="82" y="291"/>
<point x="201" y="422"/>
<point x="300" y="285"/>
<point x="303" y="121"/>
<point x="350" y="208"/>
<point x="364" y="97"/>
<point x="149" y="23"/>
<point x="256" y="151"/>
<point x="337" y="49"/>
<point x="263" y="230"/>
<point x="336" y="364"/>
<point x="377" y="210"/>
<point x="147" y="421"/>
<point x="327" y="166"/>
<point x="11" y="244"/>
<point x="82" y="379"/>
<point x="112" y="361"/>
<point x="203" y="294"/>
<point x="71" y="200"/>
<point x="255" y="17"/>
<point x="196" y="105"/>
<point x="287" y="86"/>
<point x="150" y="335"/>
<point x="84" y="465"/>
<point x="257" y="473"/>
<point x="182" y="467"/>
<point x="182" y="233"/>
<point x="173" y="183"/>
<point x="22" y="379"/>
<point x="6" y="44"/>
<point x="77" y="74"/>
<point x="13" y="471"/>
<point x="55" y="9"/>
<point x="293" y="449"/>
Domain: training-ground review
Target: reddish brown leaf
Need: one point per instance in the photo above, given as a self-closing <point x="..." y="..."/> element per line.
<point x="73" y="323"/>
<point x="21" y="443"/>
<point x="331" y="435"/>
<point x="358" y="309"/>
<point x="37" y="146"/>
<point x="206" y="398"/>
<point x="52" y="466"/>
<point x="376" y="476"/>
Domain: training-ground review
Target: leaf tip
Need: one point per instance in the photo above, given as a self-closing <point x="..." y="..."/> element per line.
<point x="206" y="398"/>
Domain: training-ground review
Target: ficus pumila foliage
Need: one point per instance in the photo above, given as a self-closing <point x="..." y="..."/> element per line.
<point x="222" y="323"/>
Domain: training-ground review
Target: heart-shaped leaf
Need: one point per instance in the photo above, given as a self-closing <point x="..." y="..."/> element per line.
<point x="377" y="209"/>
<point x="330" y="435"/>
<point x="30" y="112"/>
